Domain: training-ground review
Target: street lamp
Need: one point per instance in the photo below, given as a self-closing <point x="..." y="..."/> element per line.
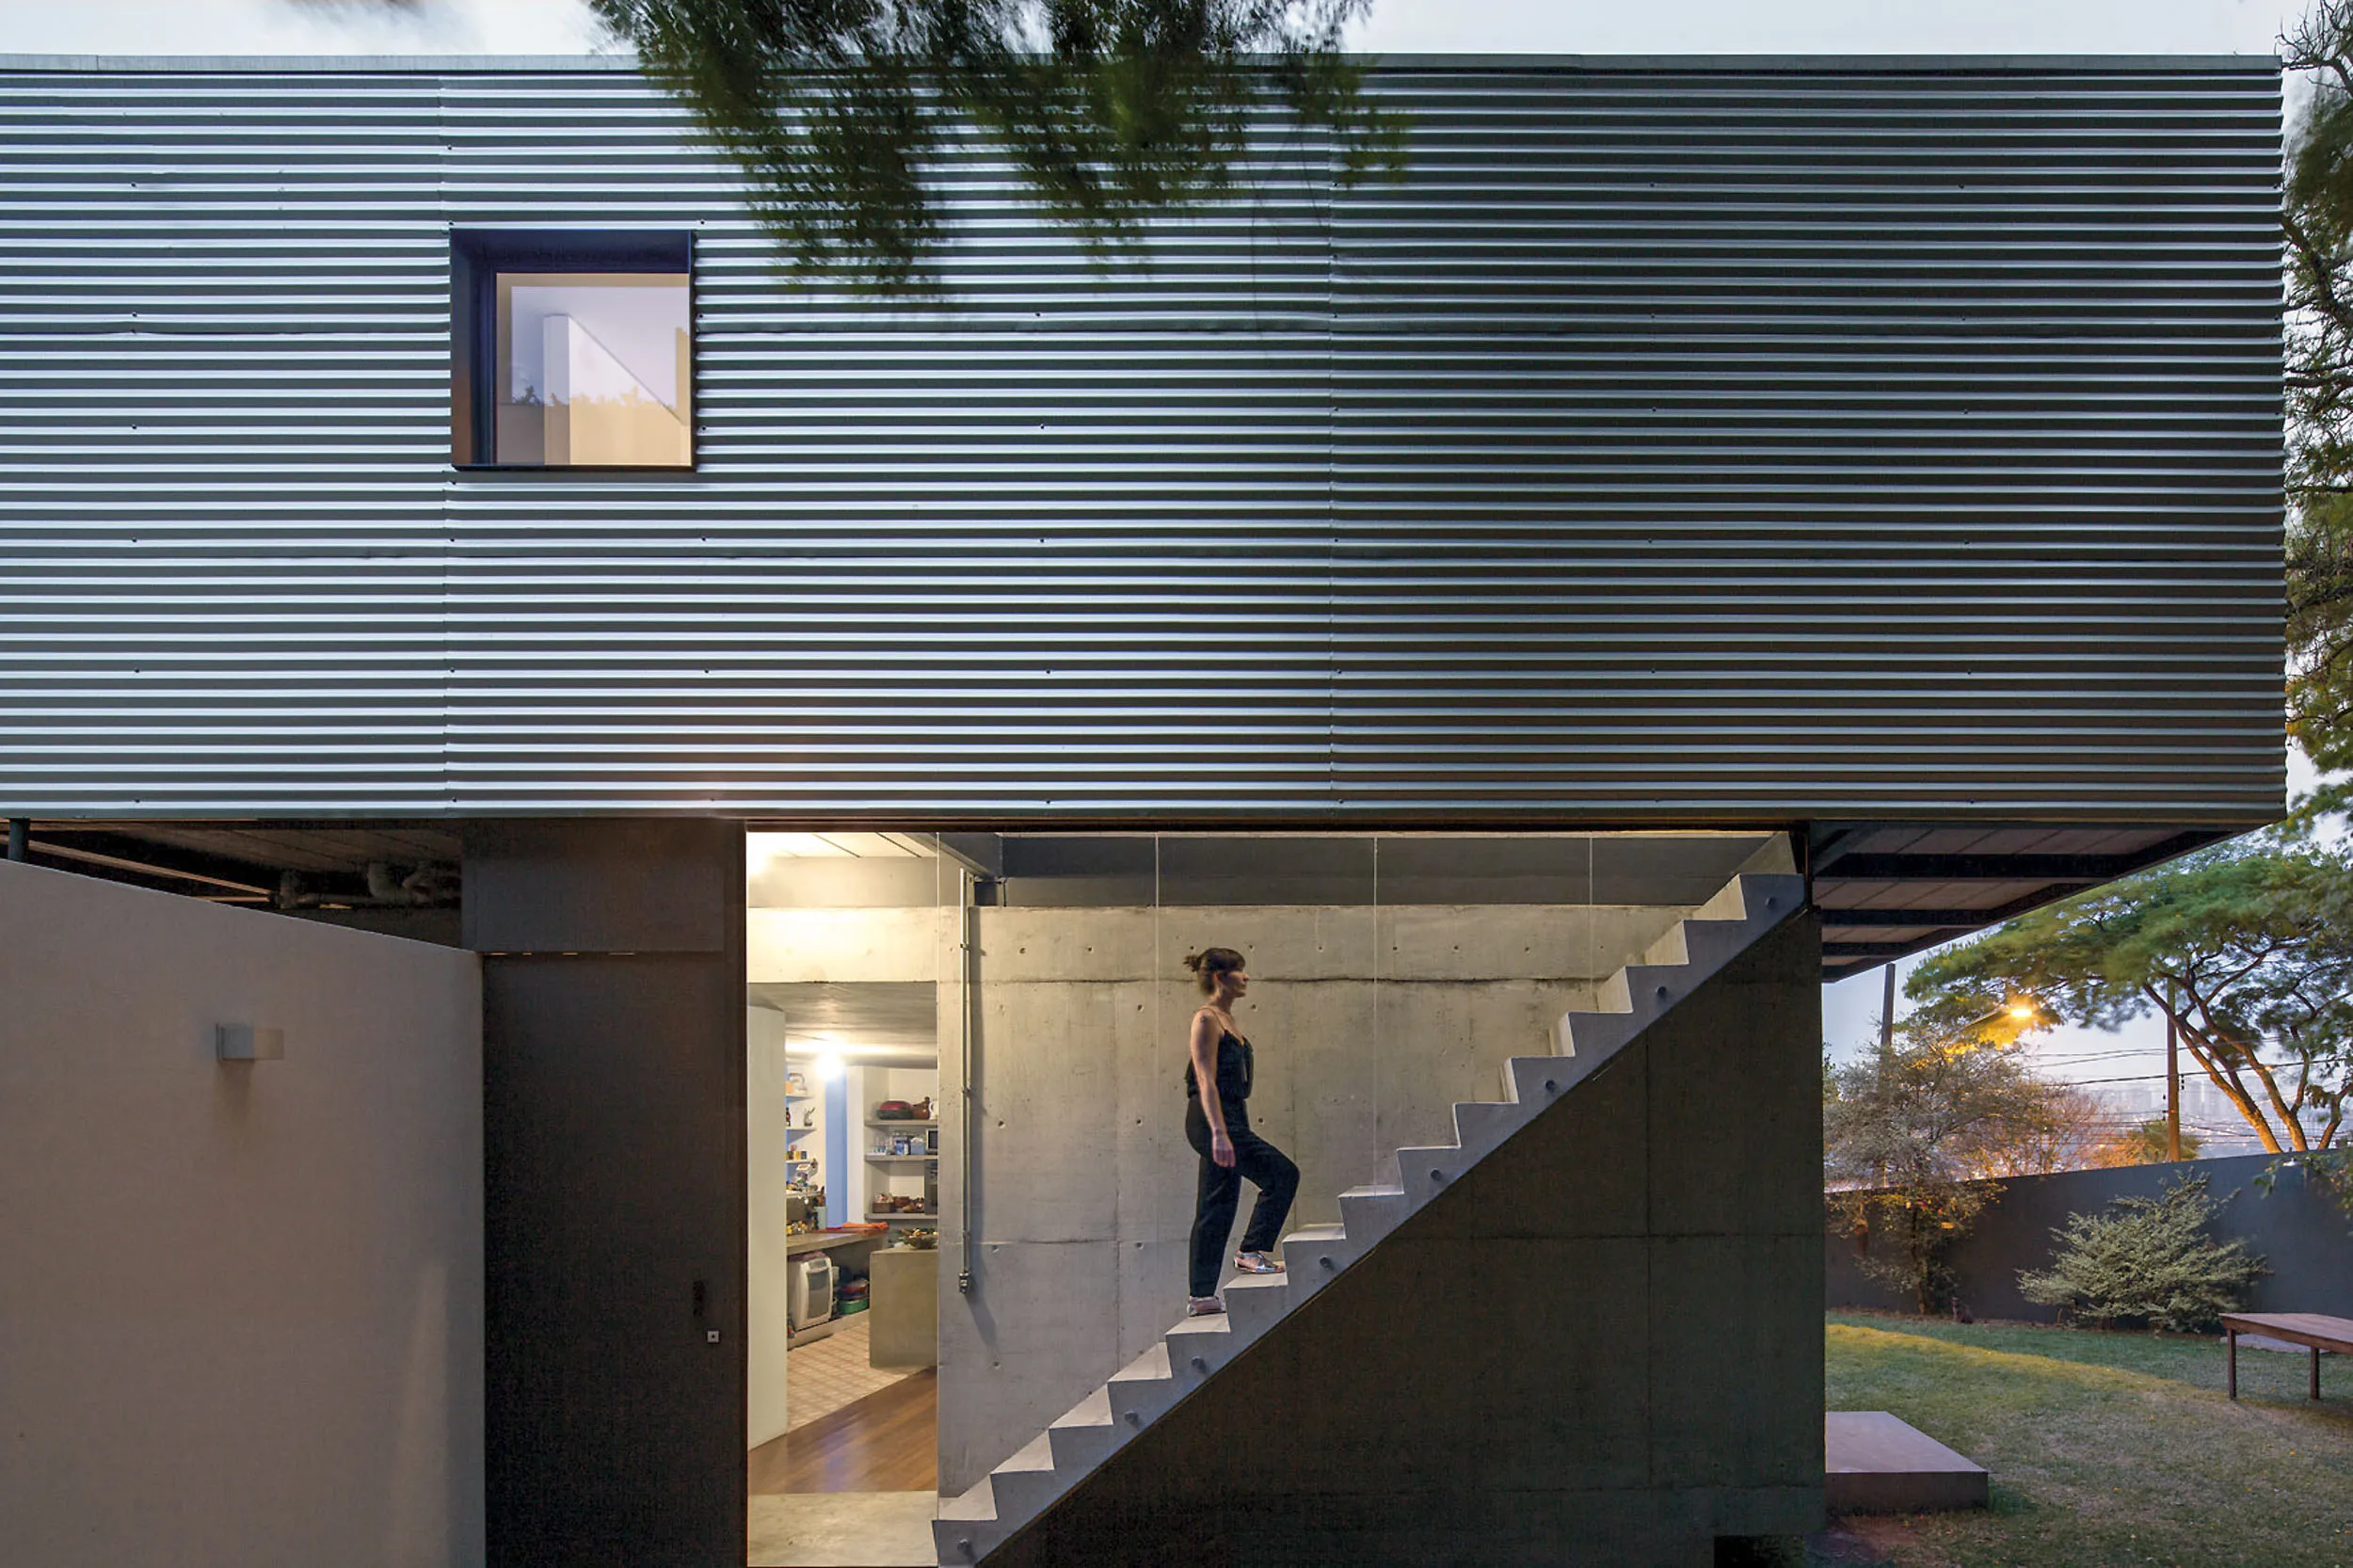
<point x="2024" y="1012"/>
<point x="2021" y="1011"/>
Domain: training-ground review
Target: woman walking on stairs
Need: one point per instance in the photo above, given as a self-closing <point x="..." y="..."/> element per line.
<point x="1217" y="1125"/>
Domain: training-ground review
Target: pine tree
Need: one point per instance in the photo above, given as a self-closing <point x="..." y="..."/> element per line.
<point x="849" y="120"/>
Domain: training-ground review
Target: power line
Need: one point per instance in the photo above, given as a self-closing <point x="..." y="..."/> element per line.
<point x="2136" y="1077"/>
<point x="2187" y="1075"/>
<point x="2096" y="1055"/>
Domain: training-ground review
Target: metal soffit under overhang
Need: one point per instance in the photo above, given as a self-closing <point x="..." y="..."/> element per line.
<point x="262" y="865"/>
<point x="1887" y="891"/>
<point x="1884" y="891"/>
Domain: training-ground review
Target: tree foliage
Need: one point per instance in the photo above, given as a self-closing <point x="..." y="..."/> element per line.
<point x="2330" y="1172"/>
<point x="1938" y="1107"/>
<point x="843" y="114"/>
<point x="2317" y="219"/>
<point x="1912" y="1136"/>
<point x="2248" y="947"/>
<point x="2146" y="1259"/>
<point x="2143" y="1144"/>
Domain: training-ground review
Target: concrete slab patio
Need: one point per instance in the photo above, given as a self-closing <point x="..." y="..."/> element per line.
<point x="1879" y="1464"/>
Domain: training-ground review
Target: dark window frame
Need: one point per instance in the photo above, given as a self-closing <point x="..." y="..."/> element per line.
<point x="476" y="257"/>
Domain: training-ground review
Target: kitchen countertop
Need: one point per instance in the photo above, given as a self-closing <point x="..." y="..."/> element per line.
<point x="819" y="1240"/>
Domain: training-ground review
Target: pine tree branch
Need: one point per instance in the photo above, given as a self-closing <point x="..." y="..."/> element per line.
<point x="2320" y="272"/>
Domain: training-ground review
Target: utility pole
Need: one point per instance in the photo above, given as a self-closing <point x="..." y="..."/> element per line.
<point x="1887" y="1016"/>
<point x="2172" y="1077"/>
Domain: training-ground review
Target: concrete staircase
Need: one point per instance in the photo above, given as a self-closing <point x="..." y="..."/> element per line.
<point x="970" y="1527"/>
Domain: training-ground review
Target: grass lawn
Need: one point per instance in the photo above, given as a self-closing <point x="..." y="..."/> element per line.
<point x="2104" y="1448"/>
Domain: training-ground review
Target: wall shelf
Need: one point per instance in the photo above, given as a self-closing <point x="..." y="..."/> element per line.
<point x="901" y="1214"/>
<point x="934" y="1122"/>
<point x="905" y="1158"/>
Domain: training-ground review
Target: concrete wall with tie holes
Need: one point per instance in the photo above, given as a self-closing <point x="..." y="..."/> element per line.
<point x="1370" y="1019"/>
<point x="1600" y="1348"/>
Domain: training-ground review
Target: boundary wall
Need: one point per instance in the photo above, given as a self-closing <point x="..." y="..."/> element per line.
<point x="2306" y="1238"/>
<point x="240" y="1323"/>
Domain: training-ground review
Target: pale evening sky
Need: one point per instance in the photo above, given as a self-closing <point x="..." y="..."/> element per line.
<point x="1496" y="27"/>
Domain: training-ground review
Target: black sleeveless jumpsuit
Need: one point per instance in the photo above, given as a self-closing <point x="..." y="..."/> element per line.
<point x="1219" y="1194"/>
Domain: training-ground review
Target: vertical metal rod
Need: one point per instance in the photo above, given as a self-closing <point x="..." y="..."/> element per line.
<point x="19" y="837"/>
<point x="967" y="953"/>
<point x="1887" y="1013"/>
<point x="2172" y="1077"/>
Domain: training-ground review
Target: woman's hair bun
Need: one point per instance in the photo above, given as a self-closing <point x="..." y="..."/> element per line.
<point x="1212" y="962"/>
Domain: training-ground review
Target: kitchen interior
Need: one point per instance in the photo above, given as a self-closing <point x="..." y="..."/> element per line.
<point x="850" y="937"/>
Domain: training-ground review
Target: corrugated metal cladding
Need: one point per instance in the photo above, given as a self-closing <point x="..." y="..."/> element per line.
<point x="1681" y="441"/>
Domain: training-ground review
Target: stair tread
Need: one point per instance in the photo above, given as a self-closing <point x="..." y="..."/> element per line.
<point x="1037" y="1454"/>
<point x="1375" y="1192"/>
<point x="1258" y="1282"/>
<point x="979" y="1502"/>
<point x="1202" y="1325"/>
<point x="1093" y="1410"/>
<point x="1317" y="1233"/>
<point x="1151" y="1366"/>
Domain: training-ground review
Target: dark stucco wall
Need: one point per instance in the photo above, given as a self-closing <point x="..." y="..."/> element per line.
<point x="2307" y="1239"/>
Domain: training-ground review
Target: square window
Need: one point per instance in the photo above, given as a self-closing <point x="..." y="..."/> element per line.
<point x="572" y="350"/>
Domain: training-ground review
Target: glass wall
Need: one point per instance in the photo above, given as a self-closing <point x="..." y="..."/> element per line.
<point x="1389" y="977"/>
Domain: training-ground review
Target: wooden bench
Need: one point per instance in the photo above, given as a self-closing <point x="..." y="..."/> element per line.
<point x="2297" y="1328"/>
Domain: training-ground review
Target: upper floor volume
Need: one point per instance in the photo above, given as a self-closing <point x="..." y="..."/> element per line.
<point x="1676" y="442"/>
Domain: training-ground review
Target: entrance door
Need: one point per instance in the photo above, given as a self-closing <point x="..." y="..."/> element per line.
<point x="613" y="1188"/>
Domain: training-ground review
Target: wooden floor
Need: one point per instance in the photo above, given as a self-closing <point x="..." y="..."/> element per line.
<point x="885" y="1441"/>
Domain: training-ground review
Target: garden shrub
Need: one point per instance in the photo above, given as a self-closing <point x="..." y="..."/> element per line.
<point x="2148" y="1260"/>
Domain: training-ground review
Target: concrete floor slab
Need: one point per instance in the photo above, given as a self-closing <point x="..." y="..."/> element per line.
<point x="842" y="1529"/>
<point x="1875" y="1463"/>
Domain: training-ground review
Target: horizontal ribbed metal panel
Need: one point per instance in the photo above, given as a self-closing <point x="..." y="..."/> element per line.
<point x="1895" y="441"/>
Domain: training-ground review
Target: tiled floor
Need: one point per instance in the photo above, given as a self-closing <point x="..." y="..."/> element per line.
<point x="885" y="1441"/>
<point x="822" y="1376"/>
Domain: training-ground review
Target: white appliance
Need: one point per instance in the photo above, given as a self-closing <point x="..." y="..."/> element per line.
<point x="810" y="1300"/>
